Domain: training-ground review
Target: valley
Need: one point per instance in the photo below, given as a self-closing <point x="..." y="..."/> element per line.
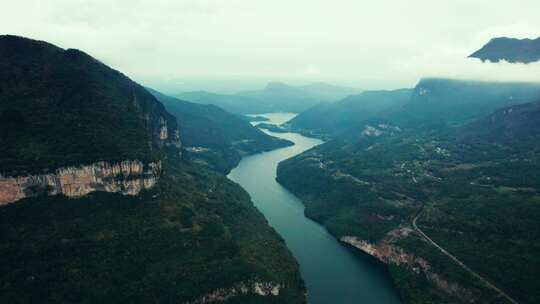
<point x="429" y="200"/>
<point x="333" y="273"/>
<point x="100" y="201"/>
<point x="413" y="192"/>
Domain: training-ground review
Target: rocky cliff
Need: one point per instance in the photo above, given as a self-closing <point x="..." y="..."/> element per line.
<point x="389" y="253"/>
<point x="71" y="125"/>
<point x="265" y="289"/>
<point x="127" y="177"/>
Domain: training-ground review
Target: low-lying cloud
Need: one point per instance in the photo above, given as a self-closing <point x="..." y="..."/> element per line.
<point x="241" y="43"/>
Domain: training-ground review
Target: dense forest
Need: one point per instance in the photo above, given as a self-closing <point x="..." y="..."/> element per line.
<point x="470" y="185"/>
<point x="193" y="236"/>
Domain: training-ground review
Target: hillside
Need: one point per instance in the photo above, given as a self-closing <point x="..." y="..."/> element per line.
<point x="509" y="49"/>
<point x="519" y="124"/>
<point x="433" y="102"/>
<point x="230" y="103"/>
<point x="472" y="189"/>
<point x="275" y="97"/>
<point x="215" y="137"/>
<point x="436" y="101"/>
<point x="61" y="107"/>
<point x="281" y="97"/>
<point x="102" y="206"/>
<point x="330" y="119"/>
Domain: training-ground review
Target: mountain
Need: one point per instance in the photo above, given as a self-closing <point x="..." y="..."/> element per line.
<point x="231" y="103"/>
<point x="330" y="119"/>
<point x="418" y="199"/>
<point x="328" y="92"/>
<point x="98" y="204"/>
<point x="442" y="101"/>
<point x="432" y="102"/>
<point x="50" y="99"/>
<point x="275" y="97"/>
<point x="280" y="97"/>
<point x="518" y="124"/>
<point x="510" y="49"/>
<point x="216" y="137"/>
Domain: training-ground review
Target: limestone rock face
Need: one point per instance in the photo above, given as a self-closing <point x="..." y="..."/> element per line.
<point x="387" y="252"/>
<point x="264" y="289"/>
<point x="128" y="177"/>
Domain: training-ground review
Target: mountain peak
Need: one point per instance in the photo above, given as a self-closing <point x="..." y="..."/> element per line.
<point x="509" y="49"/>
<point x="276" y="85"/>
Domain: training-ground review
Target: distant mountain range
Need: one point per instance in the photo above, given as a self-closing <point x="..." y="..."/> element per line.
<point x="510" y="49"/>
<point x="275" y="97"/>
<point x="452" y="171"/>
<point x="436" y="100"/>
<point x="432" y="101"/>
<point x="332" y="118"/>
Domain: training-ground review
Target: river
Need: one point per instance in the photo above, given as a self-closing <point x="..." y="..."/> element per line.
<point x="333" y="273"/>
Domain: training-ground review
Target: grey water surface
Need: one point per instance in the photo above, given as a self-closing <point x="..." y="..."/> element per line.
<point x="333" y="273"/>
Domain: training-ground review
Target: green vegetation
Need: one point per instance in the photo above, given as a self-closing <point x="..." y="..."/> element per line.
<point x="476" y="184"/>
<point x="436" y="101"/>
<point x="192" y="234"/>
<point x="61" y="107"/>
<point x="215" y="137"/>
<point x="330" y="119"/>
<point x="432" y="103"/>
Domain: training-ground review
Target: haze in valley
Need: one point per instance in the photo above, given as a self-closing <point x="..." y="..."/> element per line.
<point x="234" y="45"/>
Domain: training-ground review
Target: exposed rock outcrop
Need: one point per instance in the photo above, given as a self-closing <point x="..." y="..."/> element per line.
<point x="223" y="294"/>
<point x="388" y="253"/>
<point x="128" y="177"/>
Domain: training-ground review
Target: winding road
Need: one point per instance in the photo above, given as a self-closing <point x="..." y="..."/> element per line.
<point x="460" y="263"/>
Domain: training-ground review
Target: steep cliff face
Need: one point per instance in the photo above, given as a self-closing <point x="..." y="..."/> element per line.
<point x="215" y="137"/>
<point x="265" y="289"/>
<point x="126" y="177"/>
<point x="389" y="253"/>
<point x="71" y="125"/>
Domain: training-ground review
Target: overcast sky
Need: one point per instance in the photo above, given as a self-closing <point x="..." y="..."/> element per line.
<point x="231" y="44"/>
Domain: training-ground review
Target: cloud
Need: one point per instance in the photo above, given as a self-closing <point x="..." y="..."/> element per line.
<point x="377" y="44"/>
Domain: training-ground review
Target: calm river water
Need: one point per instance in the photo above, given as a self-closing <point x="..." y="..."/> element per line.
<point x="333" y="273"/>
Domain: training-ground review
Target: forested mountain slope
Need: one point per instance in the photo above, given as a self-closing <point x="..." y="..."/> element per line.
<point x="101" y="206"/>
<point x="472" y="188"/>
<point x="215" y="137"/>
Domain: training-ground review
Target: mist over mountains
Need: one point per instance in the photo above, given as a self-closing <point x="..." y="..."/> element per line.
<point x="509" y="49"/>
<point x="275" y="97"/>
<point x="278" y="152"/>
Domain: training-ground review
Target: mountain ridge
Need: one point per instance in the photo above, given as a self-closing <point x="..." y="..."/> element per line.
<point x="512" y="50"/>
<point x="216" y="137"/>
<point x="108" y="208"/>
<point x="41" y="104"/>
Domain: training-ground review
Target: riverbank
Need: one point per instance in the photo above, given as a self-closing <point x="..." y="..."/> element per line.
<point x="333" y="272"/>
